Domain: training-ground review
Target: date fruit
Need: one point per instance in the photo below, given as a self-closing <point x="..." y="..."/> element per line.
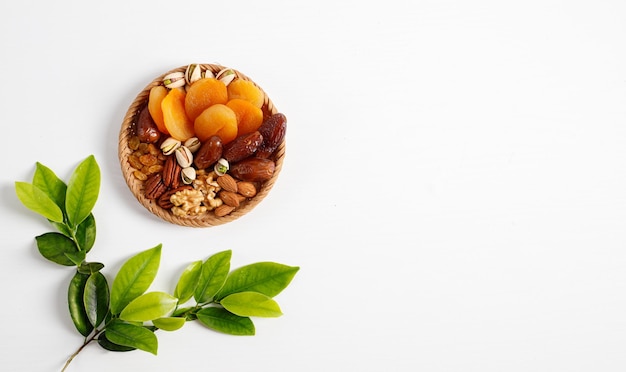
<point x="253" y="169"/>
<point x="146" y="129"/>
<point x="209" y="153"/>
<point x="242" y="147"/>
<point x="273" y="131"/>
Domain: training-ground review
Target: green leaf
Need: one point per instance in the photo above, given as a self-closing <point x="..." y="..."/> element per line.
<point x="214" y="272"/>
<point x="131" y="335"/>
<point x="86" y="233"/>
<point x="149" y="306"/>
<point x="55" y="247"/>
<point x="188" y="282"/>
<point x="169" y="324"/>
<point x="38" y="201"/>
<point x="251" y="304"/>
<point x="96" y="298"/>
<point x="76" y="257"/>
<point x="134" y="278"/>
<point x="82" y="191"/>
<point x="90" y="267"/>
<point x="106" y="344"/>
<point x="47" y="181"/>
<point x="77" y="305"/>
<point x="268" y="278"/>
<point x="221" y="320"/>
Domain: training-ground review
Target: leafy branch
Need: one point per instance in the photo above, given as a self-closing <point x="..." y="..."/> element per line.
<point x="124" y="316"/>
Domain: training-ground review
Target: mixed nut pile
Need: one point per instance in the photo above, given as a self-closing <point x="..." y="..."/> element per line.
<point x="214" y="162"/>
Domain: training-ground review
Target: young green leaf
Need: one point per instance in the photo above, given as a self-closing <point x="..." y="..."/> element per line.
<point x="251" y="304"/>
<point x="149" y="306"/>
<point x="223" y="321"/>
<point x="77" y="305"/>
<point x="96" y="298"/>
<point x="268" y="278"/>
<point x="47" y="181"/>
<point x="82" y="191"/>
<point x="169" y="323"/>
<point x="76" y="257"/>
<point x="106" y="344"/>
<point x="55" y="247"/>
<point x="86" y="233"/>
<point x="188" y="282"/>
<point x="134" y="278"/>
<point x="214" y="272"/>
<point x="125" y="334"/>
<point x="90" y="267"/>
<point x="38" y="201"/>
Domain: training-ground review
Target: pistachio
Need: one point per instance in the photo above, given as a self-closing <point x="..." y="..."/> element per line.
<point x="193" y="73"/>
<point x="226" y="76"/>
<point x="188" y="175"/>
<point x="174" y="80"/>
<point x="193" y="144"/>
<point x="221" y="167"/>
<point x="184" y="157"/>
<point x="170" y="145"/>
<point x="208" y="74"/>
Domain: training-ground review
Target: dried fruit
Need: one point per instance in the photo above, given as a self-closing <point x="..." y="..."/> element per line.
<point x="155" y="98"/>
<point x="217" y="120"/>
<point x="242" y="147"/>
<point x="203" y="94"/>
<point x="273" y="131"/>
<point x="146" y="129"/>
<point x="253" y="169"/>
<point x="246" y="90"/>
<point x="176" y="122"/>
<point x="249" y="117"/>
<point x="209" y="153"/>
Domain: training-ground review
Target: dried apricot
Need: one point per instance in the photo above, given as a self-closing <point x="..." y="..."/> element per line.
<point x="246" y="90"/>
<point x="157" y="94"/>
<point x="249" y="117"/>
<point x="174" y="117"/>
<point x="202" y="94"/>
<point x="217" y="120"/>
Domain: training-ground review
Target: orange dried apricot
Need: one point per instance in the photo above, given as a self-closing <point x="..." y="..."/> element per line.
<point x="245" y="89"/>
<point x="217" y="120"/>
<point x="157" y="94"/>
<point x="249" y="117"/>
<point x="175" y="119"/>
<point x="202" y="94"/>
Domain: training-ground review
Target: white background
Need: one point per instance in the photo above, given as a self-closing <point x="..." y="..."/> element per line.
<point x="454" y="189"/>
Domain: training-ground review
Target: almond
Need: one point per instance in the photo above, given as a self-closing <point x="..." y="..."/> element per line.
<point x="223" y="210"/>
<point x="246" y="189"/>
<point x="229" y="198"/>
<point x="227" y="183"/>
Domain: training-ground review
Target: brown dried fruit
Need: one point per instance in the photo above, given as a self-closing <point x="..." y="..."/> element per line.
<point x="140" y="175"/>
<point x="246" y="189"/>
<point x="134" y="162"/>
<point x="209" y="153"/>
<point x="227" y="183"/>
<point x="229" y="198"/>
<point x="164" y="200"/>
<point x="154" y="187"/>
<point x="171" y="172"/>
<point x="148" y="159"/>
<point x="273" y="131"/>
<point x="253" y="170"/>
<point x="242" y="147"/>
<point x="146" y="129"/>
<point x="223" y="210"/>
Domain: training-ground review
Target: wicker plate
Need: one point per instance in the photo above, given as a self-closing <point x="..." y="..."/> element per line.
<point x="136" y="186"/>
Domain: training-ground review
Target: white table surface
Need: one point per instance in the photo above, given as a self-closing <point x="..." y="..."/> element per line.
<point x="454" y="189"/>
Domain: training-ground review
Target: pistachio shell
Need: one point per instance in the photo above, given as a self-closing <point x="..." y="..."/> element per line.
<point x="221" y="167"/>
<point x="226" y="76"/>
<point x="184" y="157"/>
<point x="188" y="175"/>
<point x="193" y="144"/>
<point x="193" y="73"/>
<point x="170" y="145"/>
<point x="174" y="80"/>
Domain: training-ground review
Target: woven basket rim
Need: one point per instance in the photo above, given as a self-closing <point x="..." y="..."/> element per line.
<point x="136" y="186"/>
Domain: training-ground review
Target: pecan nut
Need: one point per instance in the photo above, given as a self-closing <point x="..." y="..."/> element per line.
<point x="171" y="172"/>
<point x="154" y="187"/>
